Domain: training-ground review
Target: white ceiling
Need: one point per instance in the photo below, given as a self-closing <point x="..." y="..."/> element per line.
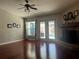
<point x="44" y="6"/>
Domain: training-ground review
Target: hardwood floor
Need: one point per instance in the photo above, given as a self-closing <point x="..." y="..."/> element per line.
<point x="12" y="51"/>
<point x="37" y="50"/>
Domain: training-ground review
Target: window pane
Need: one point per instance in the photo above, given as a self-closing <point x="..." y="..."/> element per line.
<point x="30" y="28"/>
<point x="51" y="30"/>
<point x="42" y="30"/>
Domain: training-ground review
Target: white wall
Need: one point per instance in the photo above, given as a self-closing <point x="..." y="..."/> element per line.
<point x="10" y="34"/>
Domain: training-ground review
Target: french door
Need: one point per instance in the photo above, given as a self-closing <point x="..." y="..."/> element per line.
<point x="40" y="29"/>
<point x="47" y="30"/>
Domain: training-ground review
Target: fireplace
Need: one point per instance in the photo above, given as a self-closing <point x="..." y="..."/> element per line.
<point x="70" y="32"/>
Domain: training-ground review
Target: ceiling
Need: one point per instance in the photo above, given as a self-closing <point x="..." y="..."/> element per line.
<point x="44" y="6"/>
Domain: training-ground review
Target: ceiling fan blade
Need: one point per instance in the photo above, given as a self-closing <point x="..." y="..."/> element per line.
<point x="35" y="8"/>
<point x="21" y="8"/>
<point x="32" y="7"/>
<point x="21" y="4"/>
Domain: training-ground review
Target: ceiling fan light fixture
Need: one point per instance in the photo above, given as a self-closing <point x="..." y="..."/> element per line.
<point x="28" y="6"/>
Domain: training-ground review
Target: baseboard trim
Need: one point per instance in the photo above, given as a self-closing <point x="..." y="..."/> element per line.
<point x="10" y="42"/>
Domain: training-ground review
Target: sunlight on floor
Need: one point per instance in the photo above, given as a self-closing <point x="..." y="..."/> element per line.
<point x="31" y="53"/>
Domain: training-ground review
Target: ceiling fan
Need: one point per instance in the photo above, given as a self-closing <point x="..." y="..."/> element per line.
<point x="28" y="6"/>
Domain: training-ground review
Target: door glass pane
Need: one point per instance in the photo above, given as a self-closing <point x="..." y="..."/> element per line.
<point x="30" y="28"/>
<point x="51" y="30"/>
<point x="42" y="30"/>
